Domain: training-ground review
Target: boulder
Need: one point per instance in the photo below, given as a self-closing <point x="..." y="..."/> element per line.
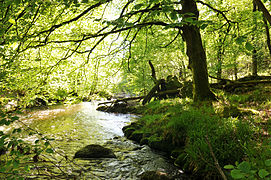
<point x="94" y="151"/>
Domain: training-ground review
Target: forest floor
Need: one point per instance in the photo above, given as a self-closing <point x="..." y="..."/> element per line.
<point x="230" y="137"/>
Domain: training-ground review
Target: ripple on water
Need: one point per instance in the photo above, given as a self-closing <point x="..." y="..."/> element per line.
<point x="79" y="125"/>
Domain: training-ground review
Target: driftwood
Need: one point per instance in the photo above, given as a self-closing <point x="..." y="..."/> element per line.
<point x="122" y="100"/>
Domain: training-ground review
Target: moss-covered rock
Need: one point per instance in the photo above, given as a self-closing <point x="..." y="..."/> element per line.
<point x="94" y="151"/>
<point x="136" y="136"/>
<point x="128" y="130"/>
<point x="144" y="140"/>
<point x="160" y="144"/>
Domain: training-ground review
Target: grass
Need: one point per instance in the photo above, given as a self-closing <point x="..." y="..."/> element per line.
<point x="233" y="138"/>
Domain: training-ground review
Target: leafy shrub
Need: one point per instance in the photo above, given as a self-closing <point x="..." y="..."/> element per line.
<point x="15" y="151"/>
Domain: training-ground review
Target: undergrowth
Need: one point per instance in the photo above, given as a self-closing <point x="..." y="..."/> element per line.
<point x="192" y="127"/>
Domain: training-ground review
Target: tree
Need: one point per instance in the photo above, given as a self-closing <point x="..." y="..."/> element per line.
<point x="196" y="53"/>
<point x="133" y="16"/>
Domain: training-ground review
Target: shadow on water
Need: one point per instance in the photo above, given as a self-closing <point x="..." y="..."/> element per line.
<point x="76" y="126"/>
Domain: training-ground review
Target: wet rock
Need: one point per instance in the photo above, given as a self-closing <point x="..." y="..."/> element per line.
<point x="136" y="136"/>
<point x="94" y="151"/>
<point x="128" y="132"/>
<point x="130" y="129"/>
<point x="155" y="175"/>
<point x="160" y="145"/>
<point x="144" y="140"/>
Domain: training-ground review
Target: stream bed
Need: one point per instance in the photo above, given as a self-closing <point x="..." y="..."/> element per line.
<point x="76" y="126"/>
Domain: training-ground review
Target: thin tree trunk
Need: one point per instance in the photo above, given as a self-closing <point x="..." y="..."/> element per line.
<point x="235" y="70"/>
<point x="196" y="54"/>
<point x="219" y="59"/>
<point x="267" y="35"/>
<point x="254" y="63"/>
<point x="263" y="9"/>
<point x="254" y="52"/>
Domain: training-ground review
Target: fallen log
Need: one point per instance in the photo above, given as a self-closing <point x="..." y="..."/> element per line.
<point x="239" y="84"/>
<point x="167" y="92"/>
<point x="152" y="92"/>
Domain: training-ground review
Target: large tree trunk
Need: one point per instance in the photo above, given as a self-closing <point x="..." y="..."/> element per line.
<point x="196" y="54"/>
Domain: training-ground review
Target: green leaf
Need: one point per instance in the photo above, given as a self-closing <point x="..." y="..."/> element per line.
<point x="173" y="15"/>
<point x="267" y="162"/>
<point x="49" y="150"/>
<point x="244" y="166"/>
<point x="249" y="46"/>
<point x="46" y="143"/>
<point x="263" y="173"/>
<point x="240" y="40"/>
<point x="12" y="21"/>
<point x="237" y="174"/>
<point x="203" y="26"/>
<point x="229" y="167"/>
<point x="138" y="6"/>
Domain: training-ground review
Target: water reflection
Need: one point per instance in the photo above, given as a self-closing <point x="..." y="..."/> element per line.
<point x="76" y="126"/>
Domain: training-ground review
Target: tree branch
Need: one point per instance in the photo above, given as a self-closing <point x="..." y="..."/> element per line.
<point x="54" y="27"/>
<point x="216" y="10"/>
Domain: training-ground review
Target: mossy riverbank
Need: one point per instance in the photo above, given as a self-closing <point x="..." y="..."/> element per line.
<point x="203" y="138"/>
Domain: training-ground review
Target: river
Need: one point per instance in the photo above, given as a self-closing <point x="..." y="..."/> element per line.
<point x="76" y="126"/>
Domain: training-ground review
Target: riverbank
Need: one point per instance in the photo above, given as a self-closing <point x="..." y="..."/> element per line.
<point x="202" y="139"/>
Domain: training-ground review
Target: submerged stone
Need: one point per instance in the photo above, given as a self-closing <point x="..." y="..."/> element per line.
<point x="94" y="151"/>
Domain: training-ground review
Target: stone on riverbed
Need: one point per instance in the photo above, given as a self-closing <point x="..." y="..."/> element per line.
<point x="94" y="151"/>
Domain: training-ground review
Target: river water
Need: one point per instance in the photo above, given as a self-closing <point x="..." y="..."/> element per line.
<point x="76" y="126"/>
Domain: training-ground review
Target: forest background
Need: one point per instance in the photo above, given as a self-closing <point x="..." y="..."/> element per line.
<point x="69" y="51"/>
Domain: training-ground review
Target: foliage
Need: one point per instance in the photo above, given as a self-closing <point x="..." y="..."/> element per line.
<point x="182" y="123"/>
<point x="17" y="153"/>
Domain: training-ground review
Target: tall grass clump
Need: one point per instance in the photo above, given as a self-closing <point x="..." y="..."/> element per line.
<point x="195" y="129"/>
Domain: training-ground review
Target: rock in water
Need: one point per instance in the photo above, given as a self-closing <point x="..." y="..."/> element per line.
<point x="94" y="151"/>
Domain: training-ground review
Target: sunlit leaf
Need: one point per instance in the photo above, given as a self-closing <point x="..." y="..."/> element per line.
<point x="12" y="21"/>
<point x="229" y="167"/>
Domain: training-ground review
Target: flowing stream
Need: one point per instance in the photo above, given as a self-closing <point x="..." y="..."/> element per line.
<point x="76" y="126"/>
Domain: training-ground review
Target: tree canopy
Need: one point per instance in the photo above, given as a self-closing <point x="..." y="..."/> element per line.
<point x="88" y="46"/>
